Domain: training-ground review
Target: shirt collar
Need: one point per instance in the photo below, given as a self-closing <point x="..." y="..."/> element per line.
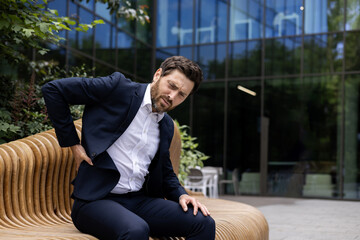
<point x="147" y="104"/>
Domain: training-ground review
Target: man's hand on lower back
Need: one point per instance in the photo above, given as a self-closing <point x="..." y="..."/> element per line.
<point x="80" y="155"/>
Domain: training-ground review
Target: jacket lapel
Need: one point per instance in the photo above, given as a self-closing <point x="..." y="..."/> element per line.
<point x="134" y="107"/>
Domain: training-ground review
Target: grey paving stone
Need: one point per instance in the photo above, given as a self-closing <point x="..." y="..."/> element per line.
<point x="307" y="219"/>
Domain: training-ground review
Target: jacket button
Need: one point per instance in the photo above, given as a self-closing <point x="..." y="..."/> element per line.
<point x="93" y="154"/>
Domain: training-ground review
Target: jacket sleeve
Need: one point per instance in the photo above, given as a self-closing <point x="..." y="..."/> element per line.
<point x="171" y="185"/>
<point x="59" y="94"/>
<point x="173" y="189"/>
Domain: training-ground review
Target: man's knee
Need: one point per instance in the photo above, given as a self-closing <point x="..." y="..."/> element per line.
<point x="204" y="227"/>
<point x="139" y="230"/>
<point x="208" y="223"/>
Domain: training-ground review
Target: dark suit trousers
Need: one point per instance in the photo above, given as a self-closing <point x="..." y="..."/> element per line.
<point x="136" y="216"/>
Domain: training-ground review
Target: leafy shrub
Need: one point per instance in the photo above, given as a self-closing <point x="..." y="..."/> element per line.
<point x="190" y="157"/>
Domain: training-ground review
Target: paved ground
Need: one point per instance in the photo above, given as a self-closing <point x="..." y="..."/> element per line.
<point x="307" y="219"/>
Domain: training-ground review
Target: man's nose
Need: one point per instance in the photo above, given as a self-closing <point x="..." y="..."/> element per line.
<point x="172" y="95"/>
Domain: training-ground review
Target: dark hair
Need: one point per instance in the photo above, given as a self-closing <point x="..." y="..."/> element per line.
<point x="191" y="69"/>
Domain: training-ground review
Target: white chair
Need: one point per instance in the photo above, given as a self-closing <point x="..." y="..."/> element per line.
<point x="196" y="181"/>
<point x="212" y="174"/>
<point x="234" y="181"/>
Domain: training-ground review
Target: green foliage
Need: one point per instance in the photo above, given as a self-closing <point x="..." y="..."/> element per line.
<point x="127" y="10"/>
<point x="190" y="157"/>
<point x="7" y="129"/>
<point x="27" y="24"/>
<point x="25" y="113"/>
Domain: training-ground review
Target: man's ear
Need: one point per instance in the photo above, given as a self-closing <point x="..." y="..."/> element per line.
<point x="157" y="75"/>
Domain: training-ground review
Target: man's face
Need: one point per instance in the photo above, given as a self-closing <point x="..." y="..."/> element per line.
<point x="169" y="91"/>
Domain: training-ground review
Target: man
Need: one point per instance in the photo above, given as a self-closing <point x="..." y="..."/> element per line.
<point x="124" y="170"/>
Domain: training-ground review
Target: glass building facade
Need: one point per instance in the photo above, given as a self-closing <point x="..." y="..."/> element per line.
<point x="280" y="100"/>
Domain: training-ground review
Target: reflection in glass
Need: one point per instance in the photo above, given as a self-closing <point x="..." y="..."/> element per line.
<point x="283" y="18"/>
<point x="60" y="6"/>
<point x="352" y="15"/>
<point x="162" y="54"/>
<point x="143" y="62"/>
<point x="77" y="60"/>
<point x="243" y="144"/>
<point x="208" y="116"/>
<point x="323" y="53"/>
<point x="186" y="52"/>
<point x="211" y="59"/>
<point x="102" y="11"/>
<point x="105" y="43"/>
<point x="89" y="4"/>
<point x="282" y="56"/>
<point x="245" y="19"/>
<point x="144" y="31"/>
<point x="245" y="59"/>
<point x="352" y="51"/>
<point x="125" y="49"/>
<point x="303" y="136"/>
<point x="210" y="21"/>
<point x="103" y="70"/>
<point x="85" y="41"/>
<point x="352" y="138"/>
<point x="324" y="16"/>
<point x="174" y="22"/>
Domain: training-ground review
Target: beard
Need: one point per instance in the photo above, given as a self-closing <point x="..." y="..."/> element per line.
<point x="157" y="98"/>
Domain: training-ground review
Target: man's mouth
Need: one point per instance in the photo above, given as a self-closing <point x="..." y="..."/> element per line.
<point x="167" y="103"/>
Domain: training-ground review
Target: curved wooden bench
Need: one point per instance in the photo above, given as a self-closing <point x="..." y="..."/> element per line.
<point x="35" y="189"/>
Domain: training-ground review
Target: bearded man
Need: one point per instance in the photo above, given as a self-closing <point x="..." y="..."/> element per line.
<point x="125" y="187"/>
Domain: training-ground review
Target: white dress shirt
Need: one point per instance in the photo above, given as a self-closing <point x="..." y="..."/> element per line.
<point x="133" y="151"/>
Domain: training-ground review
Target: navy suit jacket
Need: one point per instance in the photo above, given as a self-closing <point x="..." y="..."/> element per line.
<point x="111" y="103"/>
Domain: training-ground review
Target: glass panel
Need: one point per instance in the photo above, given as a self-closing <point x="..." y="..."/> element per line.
<point x="282" y="56"/>
<point x="205" y="21"/>
<point x="221" y="20"/>
<point x="209" y="121"/>
<point x="162" y="54"/>
<point x="352" y="51"/>
<point x="352" y="15"/>
<point x="283" y="18"/>
<point x="144" y="31"/>
<point x="182" y="112"/>
<point x="88" y="4"/>
<point x="126" y="53"/>
<point x="85" y="40"/>
<point x="103" y="70"/>
<point x="245" y="59"/>
<point x="323" y="53"/>
<point x="125" y="25"/>
<point x="102" y="11"/>
<point x="143" y="64"/>
<point x="60" y="6"/>
<point x="211" y="59"/>
<point x="246" y="19"/>
<point x="303" y="145"/>
<point x="174" y="22"/>
<point x="186" y="52"/>
<point x="243" y="145"/>
<point x="352" y="138"/>
<point x="77" y="60"/>
<point x="73" y="35"/>
<point x="324" y="15"/>
<point x="105" y="43"/>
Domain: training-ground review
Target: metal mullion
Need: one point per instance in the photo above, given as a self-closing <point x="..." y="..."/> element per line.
<point x="342" y="131"/>
<point x="263" y="138"/>
<point x="226" y="90"/>
<point x="154" y="36"/>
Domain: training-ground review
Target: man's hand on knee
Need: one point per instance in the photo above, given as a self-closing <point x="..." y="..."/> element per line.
<point x="185" y="200"/>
